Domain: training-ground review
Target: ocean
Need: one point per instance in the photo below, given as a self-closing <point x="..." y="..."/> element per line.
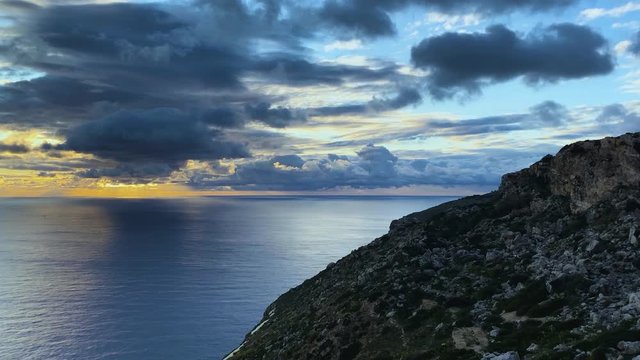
<point x="166" y="279"/>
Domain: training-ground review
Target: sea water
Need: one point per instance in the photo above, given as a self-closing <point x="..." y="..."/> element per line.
<point x="166" y="279"/>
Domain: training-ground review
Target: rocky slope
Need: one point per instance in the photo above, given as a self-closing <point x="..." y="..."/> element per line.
<point x="546" y="267"/>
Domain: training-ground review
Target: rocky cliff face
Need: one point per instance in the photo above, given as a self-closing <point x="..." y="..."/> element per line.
<point x="546" y="267"/>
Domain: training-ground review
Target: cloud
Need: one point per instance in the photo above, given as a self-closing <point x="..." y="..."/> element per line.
<point x="18" y="4"/>
<point x="296" y="71"/>
<point x="38" y="100"/>
<point x="223" y="117"/>
<point x="161" y="135"/>
<point x="460" y="62"/>
<point x="378" y="161"/>
<point x="634" y="46"/>
<point x="100" y="58"/>
<point x="137" y="90"/>
<point x="293" y="161"/>
<point x="405" y="96"/>
<point x="352" y="44"/>
<point x="546" y="115"/>
<point x="148" y="86"/>
<point x="452" y="21"/>
<point x="141" y="172"/>
<point x="618" y="119"/>
<point x="595" y="13"/>
<point x="366" y="20"/>
<point x="372" y="167"/>
<point x="549" y="113"/>
<point x="14" y="148"/>
<point x="277" y="117"/>
<point x="371" y="18"/>
<point x="622" y="47"/>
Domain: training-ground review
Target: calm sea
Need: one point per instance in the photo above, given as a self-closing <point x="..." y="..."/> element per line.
<point x="165" y="279"/>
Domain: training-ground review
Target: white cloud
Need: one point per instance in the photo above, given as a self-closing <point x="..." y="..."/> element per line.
<point x="622" y="47"/>
<point x="451" y="22"/>
<point x="594" y="13"/>
<point x="633" y="25"/>
<point x="443" y="22"/>
<point x="631" y="82"/>
<point x="352" y="44"/>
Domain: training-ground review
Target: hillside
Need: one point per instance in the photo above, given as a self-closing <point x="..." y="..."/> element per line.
<point x="546" y="267"/>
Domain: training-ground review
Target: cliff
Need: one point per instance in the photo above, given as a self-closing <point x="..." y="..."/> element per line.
<point x="546" y="267"/>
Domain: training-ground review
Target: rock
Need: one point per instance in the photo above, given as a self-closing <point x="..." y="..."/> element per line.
<point x="491" y="256"/>
<point x="632" y="235"/>
<point x="561" y="348"/>
<point x="629" y="347"/>
<point x="428" y="304"/>
<point x="634" y="300"/>
<point x="533" y="348"/>
<point x="469" y="338"/>
<point x="511" y="355"/>
<point x="592" y="245"/>
<point x="585" y="172"/>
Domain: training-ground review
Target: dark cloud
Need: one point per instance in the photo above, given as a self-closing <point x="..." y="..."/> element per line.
<point x="300" y="72"/>
<point x="635" y="44"/>
<point x="51" y="91"/>
<point x="277" y="117"/>
<point x="378" y="161"/>
<point x="371" y="18"/>
<point x="612" y="113"/>
<point x="617" y="119"/>
<point x="18" y="4"/>
<point x="406" y="96"/>
<point x="160" y="135"/>
<point x="141" y="171"/>
<point x="48" y="100"/>
<point x="185" y="65"/>
<point x="340" y="110"/>
<point x="100" y="58"/>
<point x="497" y="6"/>
<point x="14" y="148"/>
<point x="362" y="18"/>
<point x="334" y="157"/>
<point x="224" y="117"/>
<point x="280" y="117"/>
<point x="288" y="160"/>
<point x="549" y="113"/>
<point x="104" y="57"/>
<point x="461" y="62"/>
<point x="103" y="30"/>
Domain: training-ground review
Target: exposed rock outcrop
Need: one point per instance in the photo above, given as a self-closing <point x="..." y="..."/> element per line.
<point x="546" y="267"/>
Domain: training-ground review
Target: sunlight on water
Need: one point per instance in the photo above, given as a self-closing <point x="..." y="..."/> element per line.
<point x="170" y="279"/>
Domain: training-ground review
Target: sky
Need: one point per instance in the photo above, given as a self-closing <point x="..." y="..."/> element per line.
<point x="223" y="97"/>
